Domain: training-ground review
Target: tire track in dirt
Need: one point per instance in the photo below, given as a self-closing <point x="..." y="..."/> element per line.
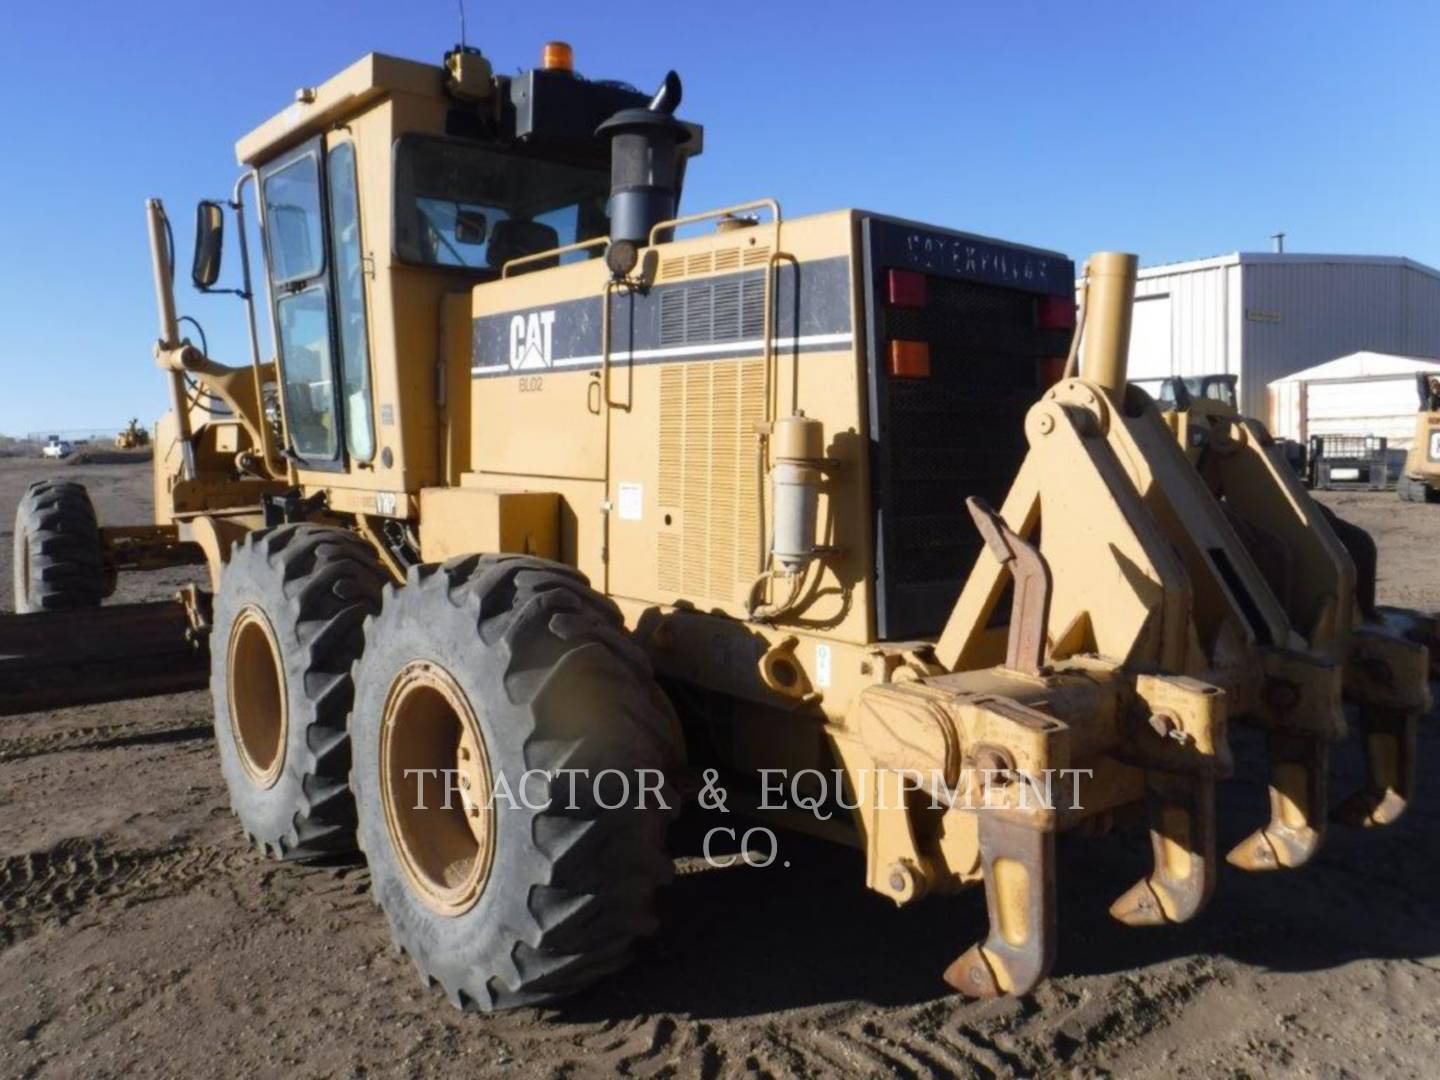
<point x="51" y="887"/>
<point x="1070" y="1033"/>
<point x="1124" y="1012"/>
<point x="103" y="737"/>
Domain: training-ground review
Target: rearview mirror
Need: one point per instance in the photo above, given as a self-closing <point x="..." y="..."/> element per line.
<point x="470" y="226"/>
<point x="209" y="234"/>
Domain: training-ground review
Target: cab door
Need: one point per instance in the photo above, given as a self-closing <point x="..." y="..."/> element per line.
<point x="292" y="203"/>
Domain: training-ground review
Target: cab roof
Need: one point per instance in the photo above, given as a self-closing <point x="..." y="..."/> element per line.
<point x="372" y="76"/>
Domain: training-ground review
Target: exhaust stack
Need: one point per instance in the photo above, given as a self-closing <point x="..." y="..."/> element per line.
<point x="1109" y="301"/>
<point x="645" y="164"/>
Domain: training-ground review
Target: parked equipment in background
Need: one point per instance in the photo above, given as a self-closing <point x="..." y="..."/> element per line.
<point x="1349" y="462"/>
<point x="548" y="476"/>
<point x="132" y="437"/>
<point x="1419" y="479"/>
<point x="1182" y="391"/>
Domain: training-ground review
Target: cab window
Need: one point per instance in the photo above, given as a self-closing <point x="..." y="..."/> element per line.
<point x="458" y="204"/>
<point x="1221" y="390"/>
<point x="295" y="249"/>
<point x="352" y="339"/>
<point x="303" y="319"/>
<point x="293" y="226"/>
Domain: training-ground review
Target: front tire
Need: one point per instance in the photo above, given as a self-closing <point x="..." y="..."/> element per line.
<point x="506" y="670"/>
<point x="58" y="560"/>
<point x="287" y="629"/>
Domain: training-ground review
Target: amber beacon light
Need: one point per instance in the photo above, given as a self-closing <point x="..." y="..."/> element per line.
<point x="557" y="56"/>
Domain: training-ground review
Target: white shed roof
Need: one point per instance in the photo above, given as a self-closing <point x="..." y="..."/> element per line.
<point x="1362" y="365"/>
<point x="1280" y="258"/>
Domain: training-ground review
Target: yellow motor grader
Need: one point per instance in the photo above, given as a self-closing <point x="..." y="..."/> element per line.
<point x="133" y="437"/>
<point x="547" y="480"/>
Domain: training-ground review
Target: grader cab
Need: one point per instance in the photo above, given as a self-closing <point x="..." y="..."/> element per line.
<point x="553" y="498"/>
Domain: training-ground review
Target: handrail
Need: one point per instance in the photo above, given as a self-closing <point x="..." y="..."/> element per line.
<point x="247" y="293"/>
<point x="690" y="219"/>
<point x="551" y="253"/>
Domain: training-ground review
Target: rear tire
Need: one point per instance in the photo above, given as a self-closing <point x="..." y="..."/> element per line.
<point x="514" y="901"/>
<point x="287" y="629"/>
<point x="58" y="560"/>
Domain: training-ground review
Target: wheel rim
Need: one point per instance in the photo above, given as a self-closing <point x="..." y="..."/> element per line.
<point x="259" y="717"/>
<point x="436" y="786"/>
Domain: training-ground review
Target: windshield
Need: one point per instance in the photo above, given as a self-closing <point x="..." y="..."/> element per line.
<point x="462" y="205"/>
<point x="1216" y="388"/>
<point x="1179" y="391"/>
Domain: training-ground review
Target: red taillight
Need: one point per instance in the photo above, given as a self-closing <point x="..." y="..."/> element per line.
<point x="1052" y="370"/>
<point x="910" y="359"/>
<point x="1054" y="312"/>
<point x="905" y="288"/>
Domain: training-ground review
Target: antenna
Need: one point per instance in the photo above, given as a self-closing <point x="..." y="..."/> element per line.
<point x="461" y="5"/>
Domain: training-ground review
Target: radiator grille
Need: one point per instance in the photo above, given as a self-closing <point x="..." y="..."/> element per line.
<point x="956" y="434"/>
<point x="707" y="477"/>
<point x="705" y="312"/>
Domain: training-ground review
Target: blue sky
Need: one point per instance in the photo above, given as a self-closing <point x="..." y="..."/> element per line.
<point x="1172" y="131"/>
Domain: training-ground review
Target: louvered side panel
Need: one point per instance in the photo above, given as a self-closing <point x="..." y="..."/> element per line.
<point x="671" y="469"/>
<point x="708" y="413"/>
<point x="669" y="558"/>
<point x="724" y="492"/>
<point x="747" y="516"/>
<point x="695" y="495"/>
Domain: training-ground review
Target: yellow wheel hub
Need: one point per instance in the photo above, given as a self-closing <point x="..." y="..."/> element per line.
<point x="436" y="786"/>
<point x="259" y="718"/>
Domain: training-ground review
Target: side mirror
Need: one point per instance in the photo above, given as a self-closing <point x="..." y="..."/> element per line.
<point x="209" y="235"/>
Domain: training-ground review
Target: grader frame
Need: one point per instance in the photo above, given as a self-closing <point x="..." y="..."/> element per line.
<point x="1147" y="580"/>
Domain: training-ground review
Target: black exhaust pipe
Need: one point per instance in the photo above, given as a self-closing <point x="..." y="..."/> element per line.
<point x="645" y="163"/>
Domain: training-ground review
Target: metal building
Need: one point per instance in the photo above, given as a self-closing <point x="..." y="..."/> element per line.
<point x="1263" y="316"/>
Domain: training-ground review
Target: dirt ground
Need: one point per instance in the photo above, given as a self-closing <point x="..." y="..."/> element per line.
<point x="138" y="936"/>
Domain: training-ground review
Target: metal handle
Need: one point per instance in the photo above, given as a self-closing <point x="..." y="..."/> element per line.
<point x="552" y="253"/>
<point x="691" y="219"/>
<point x="268" y="452"/>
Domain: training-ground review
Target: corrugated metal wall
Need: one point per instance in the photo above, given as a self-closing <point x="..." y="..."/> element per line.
<point x="1265" y="317"/>
<point x="1299" y="314"/>
<point x="1184" y="323"/>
